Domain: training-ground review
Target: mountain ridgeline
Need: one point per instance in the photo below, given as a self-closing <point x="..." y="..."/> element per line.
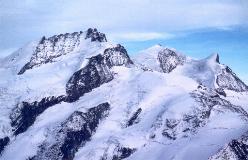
<point x="78" y="96"/>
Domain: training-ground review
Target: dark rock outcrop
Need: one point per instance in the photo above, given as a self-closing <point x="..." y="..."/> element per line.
<point x="240" y="149"/>
<point x="134" y="117"/>
<point x="24" y="115"/>
<point x="92" y="76"/>
<point x="217" y="58"/>
<point x="214" y="58"/>
<point x="237" y="149"/>
<point x="116" y="151"/>
<point x="3" y="142"/>
<point x="169" y="60"/>
<point x="220" y="91"/>
<point x="116" y="56"/>
<point x="96" y="72"/>
<point x="228" y="80"/>
<point x="122" y="153"/>
<point x="74" y="132"/>
<point x="94" y="35"/>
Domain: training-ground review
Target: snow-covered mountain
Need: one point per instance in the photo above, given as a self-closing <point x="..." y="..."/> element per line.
<point x="78" y="96"/>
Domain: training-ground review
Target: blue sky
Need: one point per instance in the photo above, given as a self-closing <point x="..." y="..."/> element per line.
<point x="194" y="27"/>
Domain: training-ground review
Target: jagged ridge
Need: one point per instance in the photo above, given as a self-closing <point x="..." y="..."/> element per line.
<point x="50" y="48"/>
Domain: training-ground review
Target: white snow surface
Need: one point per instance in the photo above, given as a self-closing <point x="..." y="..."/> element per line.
<point x="160" y="95"/>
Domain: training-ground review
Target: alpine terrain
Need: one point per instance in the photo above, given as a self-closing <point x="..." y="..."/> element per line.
<point x="79" y="96"/>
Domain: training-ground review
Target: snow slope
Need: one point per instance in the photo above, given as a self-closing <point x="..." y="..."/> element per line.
<point x="77" y="96"/>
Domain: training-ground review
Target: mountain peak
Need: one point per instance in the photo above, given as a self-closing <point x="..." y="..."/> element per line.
<point x="154" y="48"/>
<point x="214" y="58"/>
<point x="50" y="48"/>
<point x="95" y="35"/>
<point x="160" y="58"/>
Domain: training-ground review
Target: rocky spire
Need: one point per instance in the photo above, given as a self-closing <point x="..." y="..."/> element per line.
<point x="214" y="57"/>
<point x="95" y="35"/>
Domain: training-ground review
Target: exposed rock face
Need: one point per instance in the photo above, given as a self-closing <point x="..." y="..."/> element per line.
<point x="214" y="58"/>
<point x="94" y="35"/>
<point x="116" y="56"/>
<point x="228" y="80"/>
<point x="220" y="91"/>
<point x="50" y="48"/>
<point x="3" y="142"/>
<point x="93" y="75"/>
<point x="217" y="58"/>
<point x="235" y="150"/>
<point x="65" y="140"/>
<point x="134" y="118"/>
<point x="190" y="122"/>
<point x="169" y="60"/>
<point x="96" y="72"/>
<point x="122" y="153"/>
<point x="24" y="115"/>
<point x="207" y="99"/>
<point x="116" y="151"/>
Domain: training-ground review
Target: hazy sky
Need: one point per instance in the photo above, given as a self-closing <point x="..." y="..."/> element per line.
<point x="194" y="27"/>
